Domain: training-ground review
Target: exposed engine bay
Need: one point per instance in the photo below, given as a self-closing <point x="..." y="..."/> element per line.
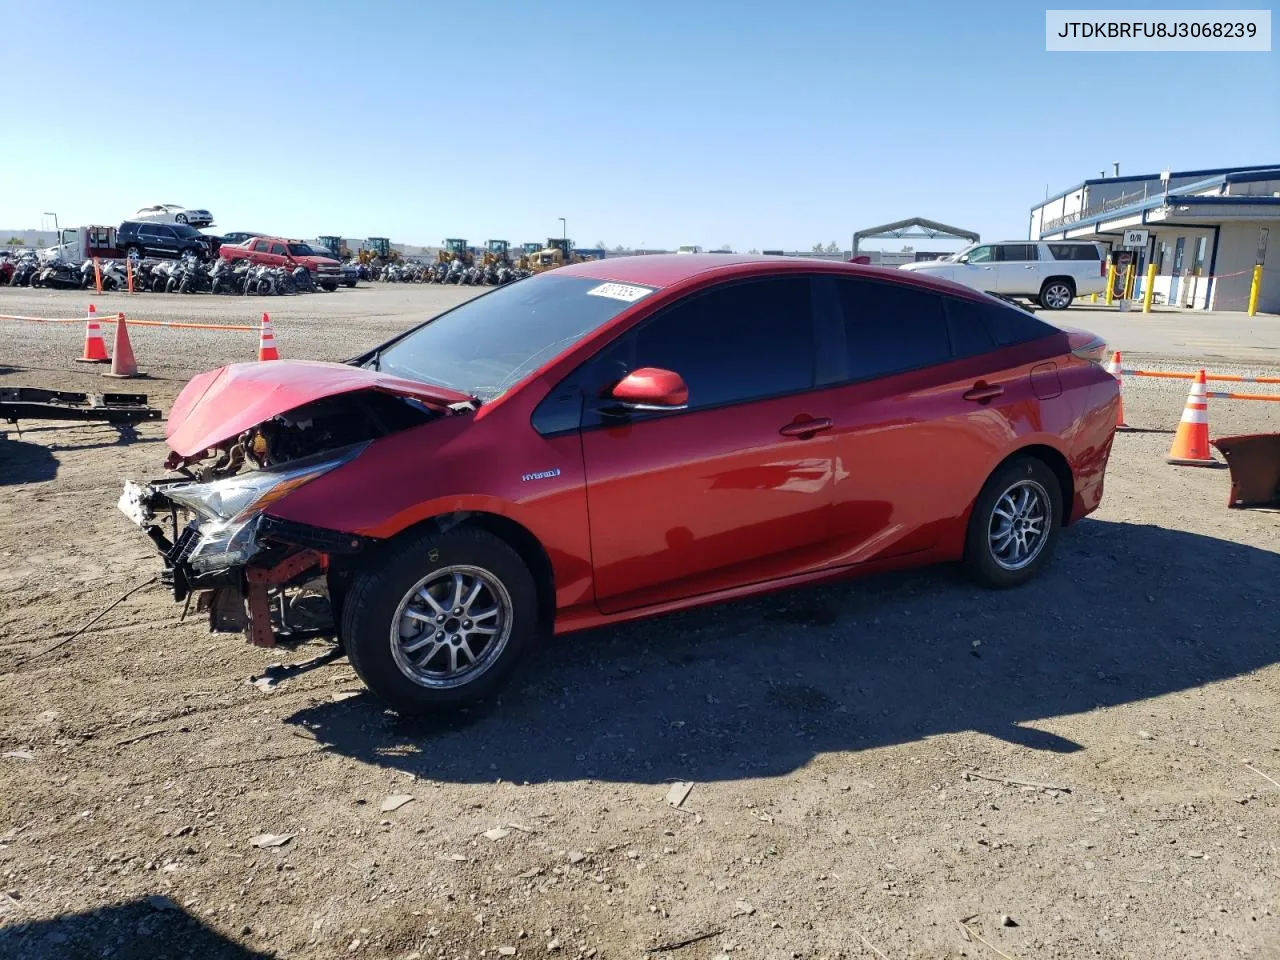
<point x="250" y="572"/>
<point x="327" y="424"/>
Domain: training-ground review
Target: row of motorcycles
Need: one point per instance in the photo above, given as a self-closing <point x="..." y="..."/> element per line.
<point x="454" y="271"/>
<point x="185" y="275"/>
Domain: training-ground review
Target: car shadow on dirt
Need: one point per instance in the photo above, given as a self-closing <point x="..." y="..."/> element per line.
<point x="139" y="930"/>
<point x="24" y="462"/>
<point x="1125" y="612"/>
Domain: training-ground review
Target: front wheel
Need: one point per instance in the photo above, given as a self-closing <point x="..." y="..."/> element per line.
<point x="1015" y="524"/>
<point x="442" y="622"/>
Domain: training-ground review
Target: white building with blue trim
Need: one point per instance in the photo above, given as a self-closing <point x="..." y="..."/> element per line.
<point x="1206" y="231"/>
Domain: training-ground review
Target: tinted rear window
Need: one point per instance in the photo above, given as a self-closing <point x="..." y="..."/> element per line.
<point x="891" y="327"/>
<point x="1010" y="325"/>
<point x="1074" y="251"/>
<point x="969" y="333"/>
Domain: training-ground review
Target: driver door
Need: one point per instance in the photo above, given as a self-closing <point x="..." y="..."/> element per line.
<point x="730" y="491"/>
<point x="981" y="271"/>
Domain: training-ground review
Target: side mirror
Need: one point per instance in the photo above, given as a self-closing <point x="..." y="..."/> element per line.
<point x="651" y="389"/>
<point x="964" y="259"/>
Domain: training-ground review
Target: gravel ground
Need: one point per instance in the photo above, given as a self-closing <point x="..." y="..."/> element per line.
<point x="885" y="768"/>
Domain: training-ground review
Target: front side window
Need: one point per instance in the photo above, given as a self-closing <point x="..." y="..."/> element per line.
<point x="278" y="249"/>
<point x="891" y="327"/>
<point x="981" y="255"/>
<point x="731" y="344"/>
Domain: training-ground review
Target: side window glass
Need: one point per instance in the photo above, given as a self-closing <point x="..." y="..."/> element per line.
<point x="891" y="328"/>
<point x="1013" y="325"/>
<point x="969" y="335"/>
<point x="740" y="342"/>
<point x="981" y="255"/>
<point x="278" y="249"/>
<point x="1016" y="252"/>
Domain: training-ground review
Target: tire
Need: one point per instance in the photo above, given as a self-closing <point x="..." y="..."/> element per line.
<point x="134" y="250"/>
<point x="996" y="564"/>
<point x="1056" y="293"/>
<point x="350" y="284"/>
<point x="180" y="218"/>
<point x="370" y="620"/>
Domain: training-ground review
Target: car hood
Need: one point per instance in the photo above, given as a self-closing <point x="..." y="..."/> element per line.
<point x="926" y="265"/>
<point x="223" y="403"/>
<point x="311" y="261"/>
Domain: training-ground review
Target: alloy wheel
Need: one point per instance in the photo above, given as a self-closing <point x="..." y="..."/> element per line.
<point x="1019" y="525"/>
<point x="1056" y="296"/>
<point x="451" y="626"/>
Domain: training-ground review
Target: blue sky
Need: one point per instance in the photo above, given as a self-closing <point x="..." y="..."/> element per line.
<point x="757" y="124"/>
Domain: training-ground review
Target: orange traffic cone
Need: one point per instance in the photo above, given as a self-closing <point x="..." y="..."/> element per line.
<point x="1116" y="370"/>
<point x="123" y="365"/>
<point x="95" y="350"/>
<point x="267" y="341"/>
<point x="1191" y="442"/>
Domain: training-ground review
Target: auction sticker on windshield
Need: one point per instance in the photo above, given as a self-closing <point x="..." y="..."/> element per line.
<point x="620" y="291"/>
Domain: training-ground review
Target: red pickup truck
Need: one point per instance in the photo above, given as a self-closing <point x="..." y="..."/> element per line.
<point x="275" y="252"/>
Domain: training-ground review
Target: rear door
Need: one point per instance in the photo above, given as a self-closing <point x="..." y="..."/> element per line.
<point x="276" y="254"/>
<point x="930" y="404"/>
<point x="732" y="490"/>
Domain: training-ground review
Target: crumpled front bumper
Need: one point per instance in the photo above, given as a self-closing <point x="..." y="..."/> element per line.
<point x="250" y="597"/>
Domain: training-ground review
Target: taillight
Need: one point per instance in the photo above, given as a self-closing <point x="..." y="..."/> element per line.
<point x="1094" y="350"/>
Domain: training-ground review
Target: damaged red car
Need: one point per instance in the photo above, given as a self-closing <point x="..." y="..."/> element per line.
<point x="618" y="439"/>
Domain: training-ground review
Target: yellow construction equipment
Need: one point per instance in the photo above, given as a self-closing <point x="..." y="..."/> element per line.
<point x="455" y="249"/>
<point x="497" y="251"/>
<point x="379" y="249"/>
<point x="556" y="253"/>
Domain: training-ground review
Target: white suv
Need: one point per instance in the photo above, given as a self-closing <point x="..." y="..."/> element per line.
<point x="1051" y="274"/>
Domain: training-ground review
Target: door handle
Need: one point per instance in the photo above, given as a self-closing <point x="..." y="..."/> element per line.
<point x="982" y="392"/>
<point x="806" y="428"/>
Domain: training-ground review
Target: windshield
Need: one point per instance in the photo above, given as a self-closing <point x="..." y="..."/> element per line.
<point x="487" y="345"/>
<point x="185" y="231"/>
<point x="302" y="250"/>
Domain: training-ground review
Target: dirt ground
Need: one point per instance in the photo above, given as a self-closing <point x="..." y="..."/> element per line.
<point x="903" y="767"/>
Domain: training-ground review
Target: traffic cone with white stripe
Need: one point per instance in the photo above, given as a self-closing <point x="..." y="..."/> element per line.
<point x="1191" y="442"/>
<point x="267" y="341"/>
<point x="95" y="348"/>
<point x="1116" y="370"/>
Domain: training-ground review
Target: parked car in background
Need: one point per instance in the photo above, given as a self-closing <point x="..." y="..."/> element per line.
<point x="587" y="446"/>
<point x="1050" y="274"/>
<point x="240" y="236"/>
<point x="148" y="239"/>
<point x="174" y="213"/>
<point x="326" y="271"/>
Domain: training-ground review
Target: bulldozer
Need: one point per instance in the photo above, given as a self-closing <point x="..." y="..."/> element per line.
<point x="456" y="250"/>
<point x="527" y="250"/>
<point x="379" y="249"/>
<point x="497" y="251"/>
<point x="335" y="246"/>
<point x="556" y="253"/>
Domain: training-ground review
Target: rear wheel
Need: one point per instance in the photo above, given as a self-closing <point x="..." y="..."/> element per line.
<point x="1015" y="524"/>
<point x="1057" y="294"/>
<point x="442" y="622"/>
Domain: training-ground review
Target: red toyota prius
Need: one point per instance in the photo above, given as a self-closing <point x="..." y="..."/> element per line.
<point x="618" y="439"/>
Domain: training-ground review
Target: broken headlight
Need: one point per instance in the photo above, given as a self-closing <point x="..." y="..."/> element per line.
<point x="230" y="509"/>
